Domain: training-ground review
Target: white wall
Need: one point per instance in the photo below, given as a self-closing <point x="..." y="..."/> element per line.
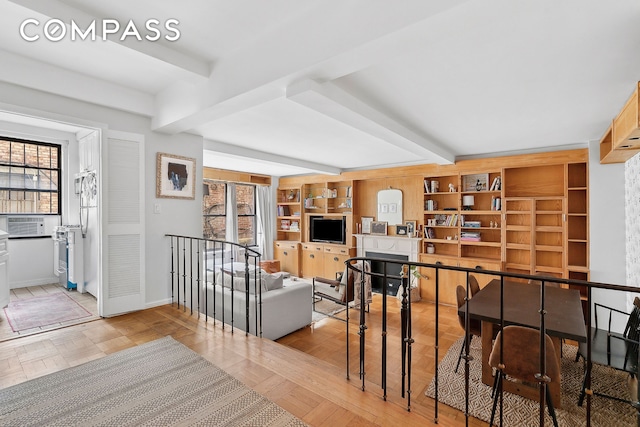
<point x="176" y="216"/>
<point x="607" y="239"/>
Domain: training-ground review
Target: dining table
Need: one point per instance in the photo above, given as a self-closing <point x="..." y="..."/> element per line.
<point x="564" y="320"/>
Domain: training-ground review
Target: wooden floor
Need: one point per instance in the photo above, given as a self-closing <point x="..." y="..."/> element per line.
<point x="303" y="372"/>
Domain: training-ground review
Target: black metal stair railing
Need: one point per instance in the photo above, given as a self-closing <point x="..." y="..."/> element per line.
<point x="197" y="274"/>
<point x="407" y="339"/>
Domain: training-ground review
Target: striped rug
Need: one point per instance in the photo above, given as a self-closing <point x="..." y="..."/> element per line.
<point x="519" y="411"/>
<point x="160" y="383"/>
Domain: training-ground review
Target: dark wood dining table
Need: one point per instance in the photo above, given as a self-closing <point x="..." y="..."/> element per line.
<point x="563" y="320"/>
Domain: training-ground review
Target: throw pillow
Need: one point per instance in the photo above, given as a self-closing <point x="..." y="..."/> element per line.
<point x="272" y="281"/>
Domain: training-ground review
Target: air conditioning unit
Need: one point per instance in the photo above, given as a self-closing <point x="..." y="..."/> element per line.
<point x="25" y="226"/>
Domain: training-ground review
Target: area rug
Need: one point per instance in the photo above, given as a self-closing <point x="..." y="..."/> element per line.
<point x="45" y="310"/>
<point x="160" y="383"/>
<point x="325" y="308"/>
<point x="519" y="411"/>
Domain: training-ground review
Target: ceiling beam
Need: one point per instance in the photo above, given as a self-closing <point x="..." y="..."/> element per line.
<point x="282" y="59"/>
<point x="28" y="72"/>
<point x="190" y="68"/>
<point x="333" y="102"/>
<point x="261" y="156"/>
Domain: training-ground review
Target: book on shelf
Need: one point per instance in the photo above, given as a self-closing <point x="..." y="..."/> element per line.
<point x="283" y="210"/>
<point x="431" y="205"/>
<point x="470" y="236"/>
<point x="295" y="226"/>
<point x="472" y="224"/>
<point x="285" y="224"/>
<point x="426" y="186"/>
<point x="496" y="204"/>
<point x="430" y="233"/>
<point x="495" y="184"/>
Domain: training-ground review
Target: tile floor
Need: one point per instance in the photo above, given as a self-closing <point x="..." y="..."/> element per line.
<point x="86" y="300"/>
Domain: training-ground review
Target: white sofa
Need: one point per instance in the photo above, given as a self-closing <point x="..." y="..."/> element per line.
<point x="284" y="310"/>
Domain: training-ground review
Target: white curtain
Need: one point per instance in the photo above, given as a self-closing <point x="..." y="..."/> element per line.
<point x="265" y="220"/>
<point x="232" y="214"/>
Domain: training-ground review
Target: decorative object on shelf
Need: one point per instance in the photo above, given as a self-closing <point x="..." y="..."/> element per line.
<point x="366" y="224"/>
<point x="379" y="227"/>
<point x="452" y="188"/>
<point x="431" y="249"/>
<point x="175" y="176"/>
<point x="411" y="228"/>
<point x="476" y="182"/>
<point x="435" y="186"/>
<point x="291" y="196"/>
<point x="401" y="230"/>
<point x="496" y="185"/>
<point x="468" y="202"/>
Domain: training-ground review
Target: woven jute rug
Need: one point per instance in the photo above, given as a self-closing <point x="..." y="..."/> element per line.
<point x="160" y="383"/>
<point x="519" y="411"/>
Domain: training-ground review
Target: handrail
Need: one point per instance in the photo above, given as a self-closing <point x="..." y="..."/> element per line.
<point x="408" y="339"/>
<point x="199" y="255"/>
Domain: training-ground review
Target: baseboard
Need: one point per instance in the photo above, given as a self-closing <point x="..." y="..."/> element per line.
<point x="158" y="303"/>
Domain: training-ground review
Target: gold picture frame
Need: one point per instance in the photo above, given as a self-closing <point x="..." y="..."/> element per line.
<point x="175" y="176"/>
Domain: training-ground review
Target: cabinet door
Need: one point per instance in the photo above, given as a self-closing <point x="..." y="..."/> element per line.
<point x="448" y="280"/>
<point x="483" y="279"/>
<point x="334" y="258"/>
<point x="289" y="256"/>
<point x="312" y="260"/>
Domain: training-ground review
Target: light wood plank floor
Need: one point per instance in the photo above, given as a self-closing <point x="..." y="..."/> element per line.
<point x="303" y="372"/>
<point x="86" y="300"/>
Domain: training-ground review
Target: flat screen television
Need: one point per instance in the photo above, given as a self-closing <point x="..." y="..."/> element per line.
<point x="328" y="230"/>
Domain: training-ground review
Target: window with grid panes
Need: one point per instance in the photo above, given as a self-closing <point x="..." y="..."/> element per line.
<point x="214" y="213"/>
<point x="29" y="177"/>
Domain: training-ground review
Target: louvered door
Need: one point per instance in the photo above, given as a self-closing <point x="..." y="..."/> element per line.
<point x="123" y="278"/>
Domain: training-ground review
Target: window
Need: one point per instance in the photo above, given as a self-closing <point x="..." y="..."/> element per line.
<point x="246" y="206"/>
<point x="215" y="211"/>
<point x="29" y="177"/>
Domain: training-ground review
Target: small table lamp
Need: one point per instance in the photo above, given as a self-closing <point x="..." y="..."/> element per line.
<point x="468" y="202"/>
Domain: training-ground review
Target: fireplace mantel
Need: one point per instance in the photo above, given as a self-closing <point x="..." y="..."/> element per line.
<point x="397" y="245"/>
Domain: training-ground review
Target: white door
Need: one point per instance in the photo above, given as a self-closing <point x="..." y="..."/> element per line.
<point x="121" y="205"/>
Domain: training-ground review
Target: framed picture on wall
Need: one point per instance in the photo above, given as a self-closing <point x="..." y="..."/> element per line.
<point x="175" y="176"/>
<point x="379" y="227"/>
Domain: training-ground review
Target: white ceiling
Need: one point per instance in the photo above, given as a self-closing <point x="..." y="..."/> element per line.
<point x="284" y="87"/>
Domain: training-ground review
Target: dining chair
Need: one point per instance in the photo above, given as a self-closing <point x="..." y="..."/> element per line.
<point x="520" y="360"/>
<point x="618" y="350"/>
<point x="473" y="285"/>
<point x="475" y="327"/>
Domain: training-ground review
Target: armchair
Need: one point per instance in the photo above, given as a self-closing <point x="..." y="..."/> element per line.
<point x="611" y="348"/>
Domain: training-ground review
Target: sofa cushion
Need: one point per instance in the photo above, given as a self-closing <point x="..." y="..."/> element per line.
<point x="268" y="281"/>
